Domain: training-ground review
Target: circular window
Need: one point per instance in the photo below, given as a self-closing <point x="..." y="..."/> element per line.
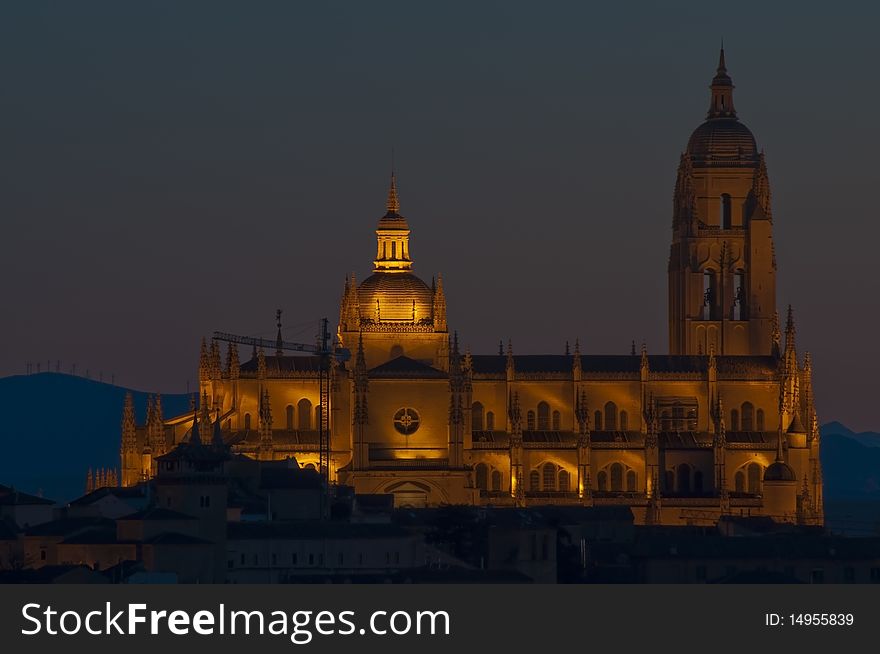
<point x="406" y="420"/>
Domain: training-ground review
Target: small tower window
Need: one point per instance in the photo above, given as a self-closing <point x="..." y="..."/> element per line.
<point x="725" y="208"/>
<point x="602" y="481"/>
<point x="631" y="481"/>
<point x="530" y="420"/>
<point x="734" y="420"/>
<point x="760" y="419"/>
<point x="247" y="420"/>
<point x="289" y="412"/>
<point x="393" y="250"/>
<point x="496" y="480"/>
<point x="624" y="421"/>
<point x="490" y="421"/>
<point x="597" y="420"/>
<point x="557" y="421"/>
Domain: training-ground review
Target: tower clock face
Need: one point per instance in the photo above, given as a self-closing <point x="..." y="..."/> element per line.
<point x="406" y="421"/>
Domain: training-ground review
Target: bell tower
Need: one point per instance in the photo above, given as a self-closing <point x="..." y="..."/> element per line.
<point x="722" y="267"/>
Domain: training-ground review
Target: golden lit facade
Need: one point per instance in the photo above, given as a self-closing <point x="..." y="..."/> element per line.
<point x="724" y="424"/>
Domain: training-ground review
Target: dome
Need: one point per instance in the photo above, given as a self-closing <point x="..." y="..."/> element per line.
<point x="393" y="220"/>
<point x="779" y="471"/>
<point x="722" y="138"/>
<point x="398" y="295"/>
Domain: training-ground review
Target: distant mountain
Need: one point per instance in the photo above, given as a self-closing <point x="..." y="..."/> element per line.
<point x="866" y="438"/>
<point x="850" y="469"/>
<point x="55" y="426"/>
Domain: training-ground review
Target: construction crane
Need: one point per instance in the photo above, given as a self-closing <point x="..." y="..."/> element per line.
<point x="323" y="349"/>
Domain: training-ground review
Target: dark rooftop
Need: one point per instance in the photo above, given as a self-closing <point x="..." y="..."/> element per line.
<point x="403" y="366"/>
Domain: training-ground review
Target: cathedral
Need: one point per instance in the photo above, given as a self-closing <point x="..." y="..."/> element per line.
<point x="724" y="424"/>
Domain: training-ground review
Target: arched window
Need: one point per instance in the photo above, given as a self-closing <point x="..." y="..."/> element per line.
<point x="760" y="417"/>
<point x="490" y="421"/>
<point x="496" y="480"/>
<point x="304" y="411"/>
<point x="624" y="421"/>
<point x="482" y="475"/>
<point x="698" y="481"/>
<point x="530" y="420"/>
<point x="477" y="416"/>
<point x="563" y="480"/>
<point x="739" y="482"/>
<point x="557" y="421"/>
<point x="597" y="420"/>
<point x="610" y="416"/>
<point x="289" y="412"/>
<point x="247" y="420"/>
<point x="549" y="476"/>
<point x="748" y="416"/>
<point x="631" y="481"/>
<point x="309" y="466"/>
<point x="669" y="481"/>
<point x="616" y="477"/>
<point x="684" y="478"/>
<point x="393" y="249"/>
<point x="725" y="211"/>
<point x="602" y="481"/>
<point x="534" y="481"/>
<point x="543" y="416"/>
<point x="754" y="472"/>
<point x="709" y="294"/>
<point x="734" y="420"/>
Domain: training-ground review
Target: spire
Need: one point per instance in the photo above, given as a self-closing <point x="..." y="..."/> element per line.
<point x="515" y="415"/>
<point x="205" y="415"/>
<point x="576" y="360"/>
<point x="393" y="203"/>
<point x="776" y="335"/>
<point x="644" y="362"/>
<point x="721" y="105"/>
<point x="129" y="428"/>
<point x="215" y="367"/>
<point x="779" y="456"/>
<point x="233" y="367"/>
<point x="510" y="365"/>
<point x="204" y="364"/>
<point x="265" y="418"/>
<point x="789" y="330"/>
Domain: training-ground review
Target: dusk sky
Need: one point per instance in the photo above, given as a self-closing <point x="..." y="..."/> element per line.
<point x="168" y="169"/>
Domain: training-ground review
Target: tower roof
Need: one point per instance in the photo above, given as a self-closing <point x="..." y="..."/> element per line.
<point x="722" y="138"/>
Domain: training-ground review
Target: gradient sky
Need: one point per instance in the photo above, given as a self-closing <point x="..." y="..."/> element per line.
<point x="168" y="170"/>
